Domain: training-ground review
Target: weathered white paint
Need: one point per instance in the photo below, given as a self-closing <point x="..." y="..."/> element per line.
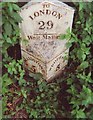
<point x="42" y="24"/>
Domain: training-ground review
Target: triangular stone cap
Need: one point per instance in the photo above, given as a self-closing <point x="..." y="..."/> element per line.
<point x="60" y="3"/>
<point x="65" y="13"/>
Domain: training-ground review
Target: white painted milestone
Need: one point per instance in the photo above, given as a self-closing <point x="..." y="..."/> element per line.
<point x="43" y="23"/>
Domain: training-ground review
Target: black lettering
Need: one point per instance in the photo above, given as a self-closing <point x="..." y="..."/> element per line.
<point x="46" y="5"/>
<point x="41" y="12"/>
<point x="42" y="25"/>
<point x="45" y="36"/>
<point x="31" y="17"/>
<point x="30" y="37"/>
<point x="54" y="13"/>
<point x="50" y="24"/>
<point x="58" y="67"/>
<point x="59" y="16"/>
<point x="48" y="12"/>
<point x="36" y="14"/>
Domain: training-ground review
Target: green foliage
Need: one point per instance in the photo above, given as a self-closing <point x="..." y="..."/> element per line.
<point x="43" y="100"/>
<point x="39" y="98"/>
<point x="10" y="20"/>
<point x="12" y="69"/>
<point x="80" y="82"/>
<point x="15" y="71"/>
<point x="6" y="82"/>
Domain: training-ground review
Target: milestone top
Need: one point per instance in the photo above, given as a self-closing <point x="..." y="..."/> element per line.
<point x="43" y="22"/>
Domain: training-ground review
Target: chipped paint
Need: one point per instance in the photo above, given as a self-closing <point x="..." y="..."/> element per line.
<point x="43" y="23"/>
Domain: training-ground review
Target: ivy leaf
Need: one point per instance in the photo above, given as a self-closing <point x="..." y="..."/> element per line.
<point x="41" y="88"/>
<point x="1" y="22"/>
<point x="1" y="5"/>
<point x="16" y="7"/>
<point x="17" y="17"/>
<point x="83" y="65"/>
<point x="8" y="28"/>
<point x="81" y="6"/>
<point x="6" y="80"/>
<point x="42" y="95"/>
<point x="88" y="98"/>
<point x="79" y="54"/>
<point x="69" y="81"/>
<point x="87" y="90"/>
<point x="80" y="114"/>
<point x="33" y="113"/>
<point x="62" y="36"/>
<point x="8" y="40"/>
<point x="10" y="7"/>
<point x="24" y="92"/>
<point x="36" y="76"/>
<point x="39" y="82"/>
<point x="68" y="44"/>
<point x="66" y="36"/>
<point x="87" y="101"/>
<point x="78" y="22"/>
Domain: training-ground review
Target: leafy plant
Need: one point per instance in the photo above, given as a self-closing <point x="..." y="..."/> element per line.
<point x="33" y="94"/>
<point x="10" y="36"/>
<point x="80" y="82"/>
<point x="42" y="98"/>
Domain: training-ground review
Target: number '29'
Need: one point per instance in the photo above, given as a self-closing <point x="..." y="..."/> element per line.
<point x="45" y="25"/>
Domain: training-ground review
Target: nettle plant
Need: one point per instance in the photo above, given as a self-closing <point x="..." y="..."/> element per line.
<point x="38" y="98"/>
<point x="80" y="81"/>
<point x="12" y="69"/>
<point x="41" y="99"/>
